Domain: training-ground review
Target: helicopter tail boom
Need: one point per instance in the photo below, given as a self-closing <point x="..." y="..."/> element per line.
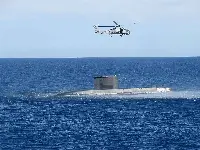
<point x="97" y="30"/>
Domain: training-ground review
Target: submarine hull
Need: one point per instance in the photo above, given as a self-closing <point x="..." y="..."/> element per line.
<point x="120" y="91"/>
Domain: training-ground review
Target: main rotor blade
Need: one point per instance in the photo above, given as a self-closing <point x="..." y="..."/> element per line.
<point x="115" y="22"/>
<point x="107" y="26"/>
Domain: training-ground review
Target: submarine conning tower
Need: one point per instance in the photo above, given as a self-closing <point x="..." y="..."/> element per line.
<point x="105" y="82"/>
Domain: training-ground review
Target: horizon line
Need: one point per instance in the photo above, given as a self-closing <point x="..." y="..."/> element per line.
<point x="98" y="57"/>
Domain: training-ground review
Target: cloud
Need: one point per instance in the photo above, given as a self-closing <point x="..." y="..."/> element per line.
<point x="141" y="10"/>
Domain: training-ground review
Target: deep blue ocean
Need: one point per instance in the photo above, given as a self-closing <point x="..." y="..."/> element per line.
<point x="33" y="116"/>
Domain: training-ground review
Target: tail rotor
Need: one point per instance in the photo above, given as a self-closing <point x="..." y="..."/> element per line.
<point x="96" y="29"/>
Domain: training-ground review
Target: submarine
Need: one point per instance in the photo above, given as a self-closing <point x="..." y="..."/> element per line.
<point x="108" y="85"/>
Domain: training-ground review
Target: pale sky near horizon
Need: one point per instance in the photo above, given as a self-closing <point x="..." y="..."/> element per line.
<point x="63" y="28"/>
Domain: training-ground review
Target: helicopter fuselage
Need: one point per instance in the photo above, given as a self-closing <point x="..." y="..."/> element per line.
<point x="119" y="30"/>
<point x="114" y="30"/>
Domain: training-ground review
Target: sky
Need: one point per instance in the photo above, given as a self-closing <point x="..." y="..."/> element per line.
<point x="64" y="28"/>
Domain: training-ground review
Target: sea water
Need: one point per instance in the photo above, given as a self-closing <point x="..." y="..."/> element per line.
<point x="33" y="117"/>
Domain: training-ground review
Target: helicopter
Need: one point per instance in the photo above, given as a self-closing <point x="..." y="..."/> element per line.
<point x="117" y="29"/>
